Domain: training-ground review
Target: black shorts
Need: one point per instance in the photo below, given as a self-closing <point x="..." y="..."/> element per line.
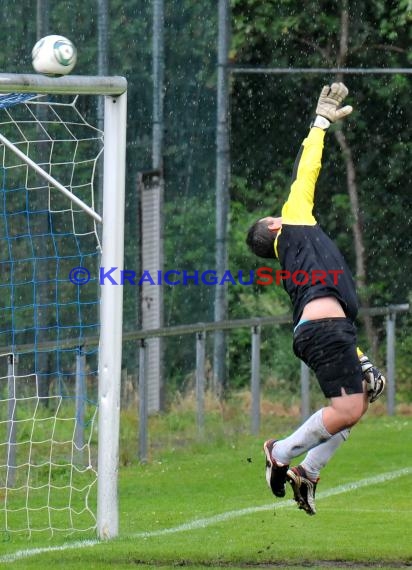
<point x="328" y="347"/>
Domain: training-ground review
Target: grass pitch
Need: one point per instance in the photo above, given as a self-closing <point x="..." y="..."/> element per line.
<point x="207" y="506"/>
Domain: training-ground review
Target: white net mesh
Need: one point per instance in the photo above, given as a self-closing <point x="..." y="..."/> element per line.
<point x="49" y="314"/>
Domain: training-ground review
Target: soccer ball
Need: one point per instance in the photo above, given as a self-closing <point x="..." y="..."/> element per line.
<point x="54" y="55"/>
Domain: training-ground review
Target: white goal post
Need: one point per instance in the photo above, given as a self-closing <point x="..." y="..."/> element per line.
<point x="114" y="91"/>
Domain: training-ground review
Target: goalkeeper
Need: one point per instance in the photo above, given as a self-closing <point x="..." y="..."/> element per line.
<point x="324" y="311"/>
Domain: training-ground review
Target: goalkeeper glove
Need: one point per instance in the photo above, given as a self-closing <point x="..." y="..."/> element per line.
<point x="329" y="100"/>
<point x="375" y="380"/>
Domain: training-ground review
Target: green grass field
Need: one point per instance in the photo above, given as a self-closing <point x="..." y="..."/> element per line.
<point x="206" y="505"/>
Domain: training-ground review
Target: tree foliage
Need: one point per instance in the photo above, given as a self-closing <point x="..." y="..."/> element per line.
<point x="277" y="111"/>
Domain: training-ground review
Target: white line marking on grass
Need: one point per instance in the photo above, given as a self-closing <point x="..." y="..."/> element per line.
<point x="33" y="551"/>
<point x="204" y="522"/>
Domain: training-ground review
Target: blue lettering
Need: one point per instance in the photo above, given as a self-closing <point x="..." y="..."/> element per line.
<point x="146" y="278"/>
<point x="104" y="274"/>
<point x="204" y="279"/>
<point x="186" y="277"/>
<point x="240" y="277"/>
<point x="166" y="277"/>
<point x="127" y="275"/>
<point x="227" y="278"/>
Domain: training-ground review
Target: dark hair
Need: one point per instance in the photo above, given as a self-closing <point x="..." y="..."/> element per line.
<point x="261" y="240"/>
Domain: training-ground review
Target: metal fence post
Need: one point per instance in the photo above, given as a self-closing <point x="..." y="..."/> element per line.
<point x="255" y="379"/>
<point x="304" y="391"/>
<point x="200" y="381"/>
<point x="142" y="452"/>
<point x="222" y="193"/>
<point x="390" y="362"/>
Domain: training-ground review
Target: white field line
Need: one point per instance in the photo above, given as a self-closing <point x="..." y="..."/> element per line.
<point x="202" y="523"/>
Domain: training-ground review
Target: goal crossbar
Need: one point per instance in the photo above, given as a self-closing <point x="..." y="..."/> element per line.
<point x="67" y="85"/>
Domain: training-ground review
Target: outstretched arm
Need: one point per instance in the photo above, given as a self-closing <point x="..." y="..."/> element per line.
<point x="299" y="206"/>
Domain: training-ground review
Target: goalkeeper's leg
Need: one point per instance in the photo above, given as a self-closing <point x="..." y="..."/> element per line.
<point x="304" y="477"/>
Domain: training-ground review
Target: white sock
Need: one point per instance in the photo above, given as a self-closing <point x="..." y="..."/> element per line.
<point x="308" y="435"/>
<point x="319" y="456"/>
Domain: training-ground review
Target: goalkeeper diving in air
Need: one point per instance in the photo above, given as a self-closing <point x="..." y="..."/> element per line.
<point x="324" y="310"/>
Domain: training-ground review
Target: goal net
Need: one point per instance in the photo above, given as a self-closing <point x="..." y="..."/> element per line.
<point x="57" y="375"/>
